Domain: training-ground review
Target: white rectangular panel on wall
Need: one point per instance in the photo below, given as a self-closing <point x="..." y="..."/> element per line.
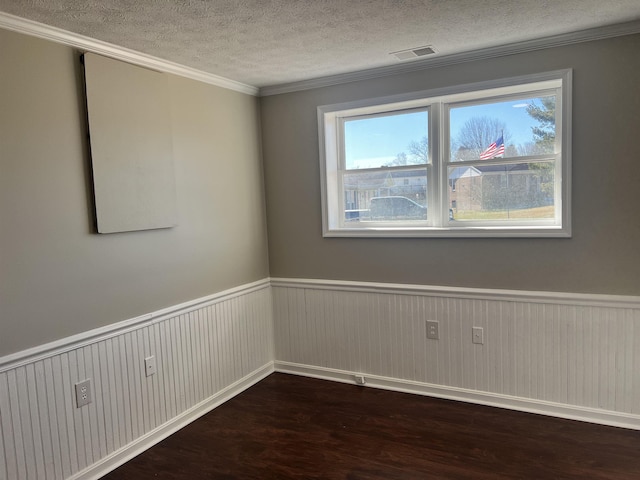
<point x="131" y="146"/>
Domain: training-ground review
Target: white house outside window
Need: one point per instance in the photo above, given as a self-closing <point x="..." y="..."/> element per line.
<point x="490" y="159"/>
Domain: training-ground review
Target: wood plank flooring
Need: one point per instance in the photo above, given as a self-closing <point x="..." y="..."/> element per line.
<point x="289" y="427"/>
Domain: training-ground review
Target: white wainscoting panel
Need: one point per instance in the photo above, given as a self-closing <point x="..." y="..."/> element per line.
<point x="571" y="355"/>
<point x="205" y="353"/>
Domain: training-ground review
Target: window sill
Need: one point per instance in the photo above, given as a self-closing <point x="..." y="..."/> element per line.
<point x="450" y="232"/>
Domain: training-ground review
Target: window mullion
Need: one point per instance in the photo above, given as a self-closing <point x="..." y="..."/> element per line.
<point x="444" y="138"/>
<point x="433" y="171"/>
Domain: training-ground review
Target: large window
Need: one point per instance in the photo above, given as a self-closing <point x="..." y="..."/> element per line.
<point x="488" y="159"/>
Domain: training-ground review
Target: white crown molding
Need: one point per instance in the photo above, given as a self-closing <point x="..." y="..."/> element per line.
<point x="580" y="36"/>
<point x="552" y="409"/>
<point x="86" y="44"/>
<point x="562" y="298"/>
<point x="81" y="42"/>
<point x="73" y="342"/>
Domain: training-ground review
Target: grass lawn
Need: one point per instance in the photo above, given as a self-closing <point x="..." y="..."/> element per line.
<point x="537" y="212"/>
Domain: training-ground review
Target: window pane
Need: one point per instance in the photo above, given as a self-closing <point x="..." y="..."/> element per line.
<point x="520" y="191"/>
<point x="387" y="141"/>
<point x="514" y="128"/>
<point x="392" y="195"/>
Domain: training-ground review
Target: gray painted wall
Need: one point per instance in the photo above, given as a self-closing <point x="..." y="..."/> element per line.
<point x="603" y="256"/>
<point x="57" y="277"/>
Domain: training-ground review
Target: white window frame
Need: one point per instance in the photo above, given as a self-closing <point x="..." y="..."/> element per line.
<point x="438" y="101"/>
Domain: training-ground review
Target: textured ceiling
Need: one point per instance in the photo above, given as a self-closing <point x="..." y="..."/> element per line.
<point x="271" y="42"/>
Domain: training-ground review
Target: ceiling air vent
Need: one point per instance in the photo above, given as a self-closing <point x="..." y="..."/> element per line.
<point x="414" y="52"/>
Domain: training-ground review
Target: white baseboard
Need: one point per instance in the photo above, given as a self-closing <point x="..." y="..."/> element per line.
<point x="119" y="457"/>
<point x="207" y="350"/>
<point x="591" y="415"/>
<point x="544" y="353"/>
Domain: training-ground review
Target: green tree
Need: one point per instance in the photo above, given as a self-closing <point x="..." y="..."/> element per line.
<point x="544" y="135"/>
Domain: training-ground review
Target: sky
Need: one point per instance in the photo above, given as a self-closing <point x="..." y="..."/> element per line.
<point x="375" y="141"/>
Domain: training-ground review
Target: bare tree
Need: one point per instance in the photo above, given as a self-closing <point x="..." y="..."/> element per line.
<point x="419" y="150"/>
<point x="476" y="135"/>
<point x="401" y="159"/>
<point x="529" y="148"/>
<point x="418" y="154"/>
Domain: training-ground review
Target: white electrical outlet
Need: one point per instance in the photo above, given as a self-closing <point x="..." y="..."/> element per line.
<point x="477" y="335"/>
<point x="83" y="393"/>
<point x="150" y="366"/>
<point x="432" y="330"/>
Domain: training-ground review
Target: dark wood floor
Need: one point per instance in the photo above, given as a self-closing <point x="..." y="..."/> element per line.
<point x="294" y="427"/>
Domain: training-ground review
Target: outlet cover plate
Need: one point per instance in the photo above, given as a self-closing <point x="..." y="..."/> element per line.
<point x="477" y="335"/>
<point x="83" y="393"/>
<point x="432" y="330"/>
<point x="150" y="366"/>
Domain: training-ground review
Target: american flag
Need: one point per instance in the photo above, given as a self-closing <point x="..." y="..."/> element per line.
<point x="494" y="150"/>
